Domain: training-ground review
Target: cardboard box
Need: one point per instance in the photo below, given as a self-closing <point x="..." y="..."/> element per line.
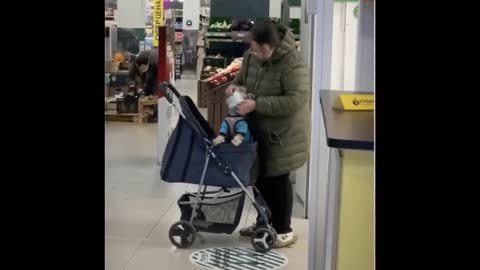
<point x="113" y="90"/>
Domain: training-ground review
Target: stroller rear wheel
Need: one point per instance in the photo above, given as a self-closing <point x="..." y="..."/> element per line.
<point x="263" y="239"/>
<point x="182" y="234"/>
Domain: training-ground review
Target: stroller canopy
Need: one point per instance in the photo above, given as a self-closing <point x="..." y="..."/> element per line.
<point x="185" y="155"/>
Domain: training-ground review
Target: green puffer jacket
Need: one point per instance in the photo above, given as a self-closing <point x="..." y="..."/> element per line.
<point x="281" y="121"/>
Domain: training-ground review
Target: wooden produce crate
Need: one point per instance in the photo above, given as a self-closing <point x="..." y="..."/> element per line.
<point x="147" y="106"/>
<point x="125" y="117"/>
<point x="216" y="106"/>
<point x="202" y="89"/>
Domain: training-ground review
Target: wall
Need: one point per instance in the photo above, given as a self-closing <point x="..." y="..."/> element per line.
<point x="365" y="77"/>
<point x="345" y="29"/>
<point x="276" y="10"/>
<point x="131" y="13"/>
<point x="192" y="13"/>
<point x="239" y="9"/>
<point x="295" y="12"/>
<point x="356" y="220"/>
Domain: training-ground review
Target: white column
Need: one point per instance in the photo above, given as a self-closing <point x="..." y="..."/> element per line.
<point x="319" y="251"/>
<point x="306" y="35"/>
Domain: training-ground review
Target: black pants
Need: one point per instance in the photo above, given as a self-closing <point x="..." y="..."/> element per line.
<point x="278" y="194"/>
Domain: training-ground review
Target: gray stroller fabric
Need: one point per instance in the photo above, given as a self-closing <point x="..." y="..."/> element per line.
<point x="215" y="214"/>
<point x="219" y="210"/>
<point x="185" y="153"/>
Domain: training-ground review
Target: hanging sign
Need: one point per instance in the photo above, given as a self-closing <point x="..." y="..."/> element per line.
<point x="158" y="18"/>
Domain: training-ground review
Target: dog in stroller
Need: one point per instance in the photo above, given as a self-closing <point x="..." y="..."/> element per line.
<point x="191" y="157"/>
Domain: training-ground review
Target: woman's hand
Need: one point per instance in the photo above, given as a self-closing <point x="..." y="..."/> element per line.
<point x="246" y="107"/>
<point x="230" y="89"/>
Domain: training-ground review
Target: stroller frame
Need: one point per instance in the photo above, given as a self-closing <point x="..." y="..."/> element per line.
<point x="264" y="236"/>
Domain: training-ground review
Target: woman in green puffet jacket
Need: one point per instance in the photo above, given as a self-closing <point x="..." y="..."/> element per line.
<point x="279" y="118"/>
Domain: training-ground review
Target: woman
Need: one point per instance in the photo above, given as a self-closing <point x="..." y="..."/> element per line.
<point x="279" y="118"/>
<point x="146" y="67"/>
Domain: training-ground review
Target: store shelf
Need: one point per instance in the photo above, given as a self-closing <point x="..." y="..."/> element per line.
<point x="224" y="40"/>
<point x="219" y="34"/>
<point x="237" y="34"/>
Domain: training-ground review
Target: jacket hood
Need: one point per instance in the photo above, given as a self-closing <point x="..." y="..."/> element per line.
<point x="287" y="43"/>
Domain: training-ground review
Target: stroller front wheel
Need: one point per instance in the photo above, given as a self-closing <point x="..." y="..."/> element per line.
<point x="263" y="239"/>
<point x="182" y="234"/>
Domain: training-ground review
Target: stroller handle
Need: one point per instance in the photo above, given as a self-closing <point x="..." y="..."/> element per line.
<point x="168" y="86"/>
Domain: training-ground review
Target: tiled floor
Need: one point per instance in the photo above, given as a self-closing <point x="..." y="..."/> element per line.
<point x="140" y="207"/>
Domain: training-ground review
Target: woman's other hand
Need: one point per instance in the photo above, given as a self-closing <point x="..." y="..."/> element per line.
<point x="246" y="107"/>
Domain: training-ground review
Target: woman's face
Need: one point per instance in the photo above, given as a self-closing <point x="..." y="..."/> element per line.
<point x="262" y="52"/>
<point x="142" y="68"/>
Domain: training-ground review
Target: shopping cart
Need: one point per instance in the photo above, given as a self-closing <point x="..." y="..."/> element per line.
<point x="190" y="157"/>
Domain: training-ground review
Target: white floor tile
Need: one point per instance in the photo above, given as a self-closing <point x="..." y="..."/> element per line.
<point x="119" y="251"/>
<point x="133" y="218"/>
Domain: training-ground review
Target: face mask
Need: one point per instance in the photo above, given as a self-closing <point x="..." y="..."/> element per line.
<point x="143" y="68"/>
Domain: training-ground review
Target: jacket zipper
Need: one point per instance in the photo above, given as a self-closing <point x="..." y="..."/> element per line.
<point x="257" y="81"/>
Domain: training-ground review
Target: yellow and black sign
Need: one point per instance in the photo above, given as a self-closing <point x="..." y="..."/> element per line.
<point x="353" y="102"/>
<point x="157" y="20"/>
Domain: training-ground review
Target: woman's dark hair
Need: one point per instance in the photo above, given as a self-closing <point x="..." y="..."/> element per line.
<point x="265" y="33"/>
<point x="142" y="60"/>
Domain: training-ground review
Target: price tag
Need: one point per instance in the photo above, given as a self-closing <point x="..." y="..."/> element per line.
<point x="352" y="102"/>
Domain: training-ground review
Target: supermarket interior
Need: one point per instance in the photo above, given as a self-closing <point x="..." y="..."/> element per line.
<point x="239" y="134"/>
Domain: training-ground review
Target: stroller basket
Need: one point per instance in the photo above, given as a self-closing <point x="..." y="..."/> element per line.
<point x="216" y="214"/>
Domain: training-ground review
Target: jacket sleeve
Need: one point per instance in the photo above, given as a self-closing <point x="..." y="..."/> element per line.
<point x="238" y="80"/>
<point x="295" y="83"/>
<point x="132" y="74"/>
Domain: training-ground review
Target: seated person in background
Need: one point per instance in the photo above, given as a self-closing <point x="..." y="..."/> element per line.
<point x="234" y="128"/>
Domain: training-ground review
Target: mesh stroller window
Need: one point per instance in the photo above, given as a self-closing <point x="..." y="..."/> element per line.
<point x="221" y="213"/>
<point x="214" y="210"/>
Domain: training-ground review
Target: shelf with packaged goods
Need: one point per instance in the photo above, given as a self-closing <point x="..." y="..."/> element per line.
<point x="224" y="40"/>
<point x="236" y="36"/>
<point x="239" y="34"/>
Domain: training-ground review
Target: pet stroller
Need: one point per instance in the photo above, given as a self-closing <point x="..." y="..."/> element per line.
<point x="190" y="157"/>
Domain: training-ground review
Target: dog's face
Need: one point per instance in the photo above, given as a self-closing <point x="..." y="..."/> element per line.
<point x="238" y="97"/>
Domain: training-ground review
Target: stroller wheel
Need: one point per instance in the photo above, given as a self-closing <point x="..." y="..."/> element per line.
<point x="182" y="234"/>
<point x="263" y="239"/>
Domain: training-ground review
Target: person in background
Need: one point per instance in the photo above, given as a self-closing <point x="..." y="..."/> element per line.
<point x="279" y="118"/>
<point x="145" y="67"/>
